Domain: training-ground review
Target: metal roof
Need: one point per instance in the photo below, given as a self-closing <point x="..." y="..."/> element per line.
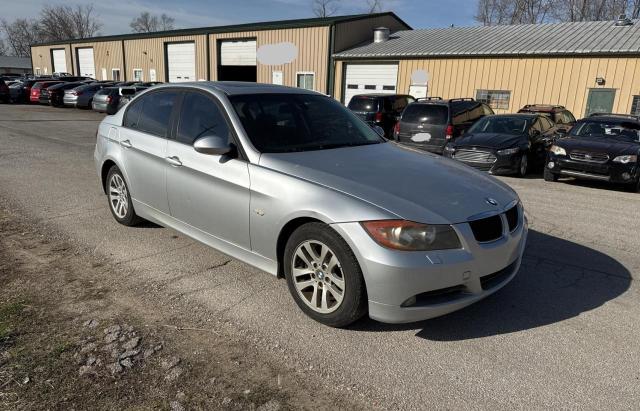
<point x="577" y="38"/>
<point x="14" y="62"/>
<point x="266" y="25"/>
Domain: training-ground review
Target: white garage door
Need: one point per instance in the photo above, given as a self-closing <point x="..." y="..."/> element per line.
<point x="59" y="61"/>
<point x="238" y="53"/>
<point x="181" y="58"/>
<point x="85" y="62"/>
<point x="369" y="79"/>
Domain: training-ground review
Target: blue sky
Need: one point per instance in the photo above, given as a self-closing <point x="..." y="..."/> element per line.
<point x="116" y="14"/>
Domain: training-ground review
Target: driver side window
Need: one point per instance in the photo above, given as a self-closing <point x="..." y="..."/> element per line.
<point x="200" y="116"/>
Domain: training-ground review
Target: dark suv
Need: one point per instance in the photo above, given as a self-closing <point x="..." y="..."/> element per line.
<point x="432" y="122"/>
<point x="563" y="118"/>
<point x="380" y="110"/>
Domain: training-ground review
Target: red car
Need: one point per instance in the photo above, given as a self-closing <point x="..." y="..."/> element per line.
<point x="34" y="94"/>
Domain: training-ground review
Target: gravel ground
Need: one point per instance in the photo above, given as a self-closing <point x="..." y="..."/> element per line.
<point x="563" y="334"/>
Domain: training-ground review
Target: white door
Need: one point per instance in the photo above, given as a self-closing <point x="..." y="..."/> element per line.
<point x="104" y="74"/>
<point x="181" y="59"/>
<point x="276" y="78"/>
<point x="369" y="79"/>
<point x="238" y="53"/>
<point x="59" y="61"/>
<point x="85" y="62"/>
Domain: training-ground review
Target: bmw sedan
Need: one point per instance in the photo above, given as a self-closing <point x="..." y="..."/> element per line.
<point x="293" y="183"/>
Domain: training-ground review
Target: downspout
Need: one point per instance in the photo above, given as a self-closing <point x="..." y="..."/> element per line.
<point x="124" y="63"/>
<point x="331" y="69"/>
<point x="73" y="67"/>
<point x="208" y="59"/>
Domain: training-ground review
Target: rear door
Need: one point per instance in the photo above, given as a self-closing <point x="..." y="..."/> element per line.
<point x="424" y="125"/>
<point x="208" y="192"/>
<point x="143" y="139"/>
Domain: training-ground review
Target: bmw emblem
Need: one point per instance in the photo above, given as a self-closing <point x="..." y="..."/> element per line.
<point x="491" y="201"/>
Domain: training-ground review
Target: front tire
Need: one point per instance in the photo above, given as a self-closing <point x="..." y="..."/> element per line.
<point x="634" y="187"/>
<point x="323" y="276"/>
<point x="549" y="176"/>
<point x="119" y="198"/>
<point x="523" y="166"/>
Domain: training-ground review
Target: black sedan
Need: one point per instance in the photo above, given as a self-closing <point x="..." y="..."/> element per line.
<point x="603" y="147"/>
<point x="505" y="143"/>
<point x="53" y="95"/>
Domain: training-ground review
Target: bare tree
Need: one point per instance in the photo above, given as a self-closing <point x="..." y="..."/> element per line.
<point x="3" y="48"/>
<point x="374" y="6"/>
<point x="492" y="12"/>
<point x="324" y="8"/>
<point x="147" y="23"/>
<point x="20" y="34"/>
<point x="66" y="22"/>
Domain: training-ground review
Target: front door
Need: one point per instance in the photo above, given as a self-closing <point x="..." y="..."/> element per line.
<point x="207" y="192"/>
<point x="600" y="101"/>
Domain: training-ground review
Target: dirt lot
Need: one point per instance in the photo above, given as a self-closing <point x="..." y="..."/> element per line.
<point x="563" y="334"/>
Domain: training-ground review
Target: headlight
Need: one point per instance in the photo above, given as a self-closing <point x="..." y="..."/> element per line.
<point x="626" y="159"/>
<point x="559" y="151"/>
<point x="409" y="236"/>
<point x="508" y="151"/>
<point x="449" y="149"/>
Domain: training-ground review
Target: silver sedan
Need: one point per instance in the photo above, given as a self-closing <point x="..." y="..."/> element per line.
<point x="293" y="183"/>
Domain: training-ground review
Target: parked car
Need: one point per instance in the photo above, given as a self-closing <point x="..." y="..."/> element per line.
<point x="34" y="96"/>
<point x="290" y="181"/>
<point x="19" y="93"/>
<point x="54" y="95"/>
<point x="563" y="118"/>
<point x="110" y="99"/>
<point x="505" y="143"/>
<point x="82" y="96"/>
<point x="430" y="123"/>
<point x="381" y="110"/>
<point x="5" y="95"/>
<point x="601" y="147"/>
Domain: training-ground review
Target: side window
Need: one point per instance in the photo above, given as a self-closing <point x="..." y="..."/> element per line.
<point x="569" y="118"/>
<point x="132" y="115"/>
<point x="156" y="112"/>
<point x="537" y="125"/>
<point x="487" y="110"/>
<point x="548" y="124"/>
<point x="199" y="117"/>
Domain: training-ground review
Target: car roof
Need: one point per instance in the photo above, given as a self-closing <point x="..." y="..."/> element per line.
<point x="518" y="115"/>
<point x="612" y="118"/>
<point x="542" y="108"/>
<point x="443" y="102"/>
<point x="233" y="88"/>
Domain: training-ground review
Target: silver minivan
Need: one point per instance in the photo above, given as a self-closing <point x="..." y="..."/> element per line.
<point x="293" y="183"/>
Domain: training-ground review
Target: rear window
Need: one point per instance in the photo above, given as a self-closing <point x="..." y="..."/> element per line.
<point x="423" y="113"/>
<point x="359" y="103"/>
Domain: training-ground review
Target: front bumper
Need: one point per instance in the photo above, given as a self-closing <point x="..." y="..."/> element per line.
<point x="440" y="281"/>
<point x="609" y="171"/>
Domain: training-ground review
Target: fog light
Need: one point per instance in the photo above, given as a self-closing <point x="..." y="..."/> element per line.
<point x="551" y="164"/>
<point x="410" y="301"/>
<point x="626" y="176"/>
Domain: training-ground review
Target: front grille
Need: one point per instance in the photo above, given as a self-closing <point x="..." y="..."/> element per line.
<point x="487" y="229"/>
<point x="494" y="279"/>
<point x="475" y="156"/>
<point x="513" y="215"/>
<point x="589" y="157"/>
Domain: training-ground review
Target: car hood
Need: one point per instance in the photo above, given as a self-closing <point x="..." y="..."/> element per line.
<point x="610" y="146"/>
<point x="490" y="140"/>
<point x="409" y="183"/>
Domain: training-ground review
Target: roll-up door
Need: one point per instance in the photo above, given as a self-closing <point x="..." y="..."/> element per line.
<point x="59" y="61"/>
<point x="85" y="62"/>
<point x="181" y="61"/>
<point x="238" y="53"/>
<point x="370" y="79"/>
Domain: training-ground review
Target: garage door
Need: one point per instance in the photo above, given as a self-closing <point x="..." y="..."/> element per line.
<point x="59" y="61"/>
<point x="181" y="59"/>
<point x="85" y="62"/>
<point x="369" y="79"/>
<point x="238" y="53"/>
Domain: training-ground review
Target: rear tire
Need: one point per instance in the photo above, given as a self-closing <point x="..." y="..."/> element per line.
<point x="119" y="198"/>
<point x="523" y="166"/>
<point x="549" y="176"/>
<point x="323" y="276"/>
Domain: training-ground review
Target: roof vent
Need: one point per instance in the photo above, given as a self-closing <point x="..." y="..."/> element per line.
<point x="380" y="34"/>
<point x="623" y="20"/>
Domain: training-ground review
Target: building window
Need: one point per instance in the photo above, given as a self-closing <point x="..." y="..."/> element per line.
<point x="115" y="74"/>
<point x="37" y="73"/>
<point x="635" y="106"/>
<point x="137" y="75"/>
<point x="305" y="80"/>
<point x="496" y="99"/>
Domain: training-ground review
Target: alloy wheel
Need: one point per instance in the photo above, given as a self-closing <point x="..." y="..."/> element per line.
<point x="318" y="276"/>
<point x="118" y="196"/>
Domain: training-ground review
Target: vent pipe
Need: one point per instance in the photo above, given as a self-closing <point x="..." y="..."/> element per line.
<point x="380" y="34"/>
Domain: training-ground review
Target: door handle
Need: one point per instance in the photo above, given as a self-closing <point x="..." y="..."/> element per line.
<point x="126" y="144"/>
<point x="174" y="161"/>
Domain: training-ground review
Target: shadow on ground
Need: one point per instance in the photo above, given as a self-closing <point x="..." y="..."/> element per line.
<point x="558" y="280"/>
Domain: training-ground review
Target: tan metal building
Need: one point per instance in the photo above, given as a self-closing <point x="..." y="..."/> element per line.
<point x="586" y="67"/>
<point x="294" y="53"/>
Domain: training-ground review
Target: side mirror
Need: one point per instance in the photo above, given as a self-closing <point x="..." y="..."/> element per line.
<point x="212" y="145"/>
<point x="378" y="130"/>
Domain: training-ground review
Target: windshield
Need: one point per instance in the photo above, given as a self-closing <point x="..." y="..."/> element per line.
<point x="501" y="125"/>
<point x="424" y="113"/>
<point x="280" y="123"/>
<point x="616" y="130"/>
<point x="363" y="103"/>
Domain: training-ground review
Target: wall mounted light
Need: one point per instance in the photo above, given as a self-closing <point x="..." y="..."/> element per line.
<point x="107" y="52"/>
<point x="600" y="81"/>
<point x="144" y="52"/>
